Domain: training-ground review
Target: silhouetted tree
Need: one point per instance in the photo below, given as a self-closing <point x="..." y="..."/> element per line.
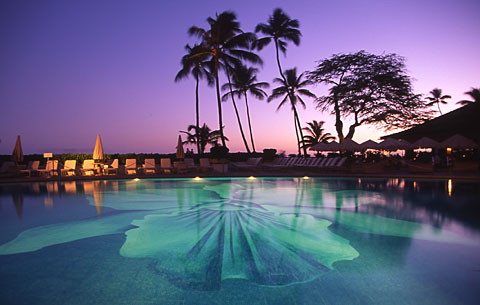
<point x="279" y="29"/>
<point x="291" y="90"/>
<point x="437" y="98"/>
<point x="369" y="89"/>
<point x="226" y="44"/>
<point x="194" y="63"/>
<point x="474" y="94"/>
<point x="316" y="134"/>
<point x="202" y="136"/>
<point x="244" y="81"/>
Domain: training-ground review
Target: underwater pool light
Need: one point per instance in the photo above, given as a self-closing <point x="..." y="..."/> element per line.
<point x="197" y="178"/>
<point x="251" y="178"/>
<point x="306" y="178"/>
<point x="136" y="179"/>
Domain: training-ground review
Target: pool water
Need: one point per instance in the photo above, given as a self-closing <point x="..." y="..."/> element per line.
<point x="240" y="241"/>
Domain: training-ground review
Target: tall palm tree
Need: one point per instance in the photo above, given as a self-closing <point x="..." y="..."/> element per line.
<point x="292" y="89"/>
<point x="279" y="29"/>
<point x="316" y="134"/>
<point x="474" y="94"/>
<point x="202" y="136"/>
<point x="244" y="81"/>
<point x="437" y="98"/>
<point x="226" y="44"/>
<point x="194" y="63"/>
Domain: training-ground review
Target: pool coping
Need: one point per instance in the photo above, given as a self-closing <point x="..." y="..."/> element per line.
<point x="256" y="173"/>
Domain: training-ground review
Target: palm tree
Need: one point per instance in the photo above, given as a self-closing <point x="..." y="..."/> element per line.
<point x="474" y="94"/>
<point x="437" y="98"/>
<point x="194" y="63"/>
<point x="316" y="134"/>
<point x="225" y="44"/>
<point x="291" y="90"/>
<point x="244" y="81"/>
<point x="280" y="28"/>
<point x="202" y="136"/>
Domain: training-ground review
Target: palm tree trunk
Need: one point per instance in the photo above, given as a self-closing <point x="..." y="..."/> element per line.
<point x="338" y="122"/>
<point x="438" y="104"/>
<point x="296" y="133"/>
<point x="236" y="112"/>
<point x="197" y="110"/>
<point x="300" y="130"/>
<point x="249" y="123"/>
<point x="219" y="105"/>
<point x="278" y="61"/>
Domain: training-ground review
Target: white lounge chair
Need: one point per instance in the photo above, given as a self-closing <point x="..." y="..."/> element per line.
<point x="149" y="167"/>
<point x="251" y="163"/>
<point x="31" y="168"/>
<point x="69" y="167"/>
<point x="88" y="167"/>
<point x="166" y="165"/>
<point x="51" y="168"/>
<point x="112" y="168"/>
<point x="131" y="166"/>
<point x="205" y="164"/>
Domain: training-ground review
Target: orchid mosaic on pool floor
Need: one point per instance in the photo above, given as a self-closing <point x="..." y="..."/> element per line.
<point x="193" y="239"/>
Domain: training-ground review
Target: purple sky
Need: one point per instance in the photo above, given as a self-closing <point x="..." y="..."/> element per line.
<point x="73" y="69"/>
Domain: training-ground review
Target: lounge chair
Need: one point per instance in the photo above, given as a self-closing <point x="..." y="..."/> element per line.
<point x="88" y="167"/>
<point x="279" y="162"/>
<point x="69" y="168"/>
<point x="331" y="162"/>
<point x="7" y="167"/>
<point x="112" y="167"/>
<point x="51" y="168"/>
<point x="251" y="163"/>
<point x="131" y="166"/>
<point x="205" y="164"/>
<point x="31" y="168"/>
<point x="190" y="164"/>
<point x="149" y="167"/>
<point x="166" y="165"/>
<point x="180" y="167"/>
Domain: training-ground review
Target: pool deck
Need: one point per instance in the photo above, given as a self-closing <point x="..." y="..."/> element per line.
<point x="258" y="172"/>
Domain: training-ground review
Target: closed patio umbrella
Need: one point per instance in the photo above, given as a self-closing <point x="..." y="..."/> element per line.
<point x="180" y="153"/>
<point x="425" y="142"/>
<point x="17" y="154"/>
<point x="459" y="142"/>
<point x="98" y="151"/>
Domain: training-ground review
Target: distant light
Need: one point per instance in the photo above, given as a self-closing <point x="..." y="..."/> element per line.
<point x="449" y="150"/>
<point x="252" y="178"/>
<point x="359" y="180"/>
<point x="414" y="184"/>
<point x="136" y="179"/>
<point x="197" y="178"/>
<point x="306" y="178"/>
<point x="450" y="187"/>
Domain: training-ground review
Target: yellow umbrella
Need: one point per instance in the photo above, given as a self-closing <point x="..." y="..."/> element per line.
<point x="98" y="151"/>
<point x="180" y="153"/>
<point x="17" y="154"/>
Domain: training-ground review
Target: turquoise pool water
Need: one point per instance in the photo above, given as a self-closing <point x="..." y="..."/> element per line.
<point x="240" y="241"/>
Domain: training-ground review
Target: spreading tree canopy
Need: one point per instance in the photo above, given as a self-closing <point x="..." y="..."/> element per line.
<point x="369" y="89"/>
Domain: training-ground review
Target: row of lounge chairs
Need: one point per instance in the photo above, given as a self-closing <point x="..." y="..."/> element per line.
<point x="296" y="162"/>
<point x="89" y="167"/>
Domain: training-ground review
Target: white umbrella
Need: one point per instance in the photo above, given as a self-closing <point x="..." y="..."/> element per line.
<point x="180" y="153"/>
<point x="393" y="144"/>
<point x="98" y="151"/>
<point x="425" y="142"/>
<point x="458" y="141"/>
<point x="369" y="144"/>
<point x="17" y="154"/>
<point x="350" y="145"/>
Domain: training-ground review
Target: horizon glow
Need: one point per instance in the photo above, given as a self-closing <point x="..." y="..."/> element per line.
<point x="71" y="71"/>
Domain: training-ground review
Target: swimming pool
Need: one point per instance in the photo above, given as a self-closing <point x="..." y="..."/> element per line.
<point x="240" y="241"/>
